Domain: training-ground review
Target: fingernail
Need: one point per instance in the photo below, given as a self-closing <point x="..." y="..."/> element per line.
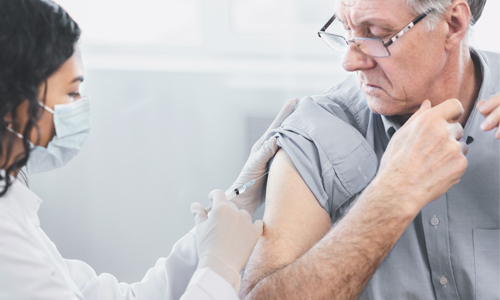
<point x="484" y="124"/>
<point x="484" y="106"/>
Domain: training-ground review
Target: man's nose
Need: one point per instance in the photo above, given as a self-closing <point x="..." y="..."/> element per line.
<point x="355" y="59"/>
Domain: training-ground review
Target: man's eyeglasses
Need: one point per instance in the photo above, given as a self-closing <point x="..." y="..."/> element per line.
<point x="370" y="46"/>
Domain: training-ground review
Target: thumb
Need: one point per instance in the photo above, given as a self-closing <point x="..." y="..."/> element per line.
<point x="259" y="225"/>
<point x="199" y="213"/>
<point x="426" y="105"/>
<point x="284" y="113"/>
<point x="270" y="146"/>
<point x="265" y="153"/>
<point x="218" y="197"/>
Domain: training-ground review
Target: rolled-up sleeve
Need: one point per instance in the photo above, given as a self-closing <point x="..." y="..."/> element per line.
<point x="333" y="157"/>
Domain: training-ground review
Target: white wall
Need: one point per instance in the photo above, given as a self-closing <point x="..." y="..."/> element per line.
<point x="180" y="89"/>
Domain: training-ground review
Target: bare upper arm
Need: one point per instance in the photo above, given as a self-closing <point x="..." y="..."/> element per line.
<point x="294" y="221"/>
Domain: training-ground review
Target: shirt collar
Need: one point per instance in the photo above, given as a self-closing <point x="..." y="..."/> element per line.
<point x="486" y="90"/>
<point x="391" y="125"/>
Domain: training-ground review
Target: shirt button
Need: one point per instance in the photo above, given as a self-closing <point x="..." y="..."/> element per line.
<point x="434" y="221"/>
<point x="443" y="280"/>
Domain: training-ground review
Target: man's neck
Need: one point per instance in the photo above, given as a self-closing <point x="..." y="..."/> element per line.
<point x="461" y="79"/>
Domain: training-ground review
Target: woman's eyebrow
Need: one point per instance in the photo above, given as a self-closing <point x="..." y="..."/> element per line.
<point x="79" y="78"/>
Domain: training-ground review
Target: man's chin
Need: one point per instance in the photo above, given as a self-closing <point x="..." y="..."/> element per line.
<point x="383" y="106"/>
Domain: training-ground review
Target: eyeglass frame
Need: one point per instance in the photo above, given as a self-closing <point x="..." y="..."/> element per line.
<point x="386" y="45"/>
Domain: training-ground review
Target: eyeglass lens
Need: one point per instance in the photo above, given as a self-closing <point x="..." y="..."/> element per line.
<point x="373" y="47"/>
<point x="337" y="41"/>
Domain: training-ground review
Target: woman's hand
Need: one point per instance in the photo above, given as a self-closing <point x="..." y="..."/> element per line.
<point x="225" y="237"/>
<point x="256" y="165"/>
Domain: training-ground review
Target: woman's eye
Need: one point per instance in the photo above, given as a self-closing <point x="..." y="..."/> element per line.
<point x="74" y="96"/>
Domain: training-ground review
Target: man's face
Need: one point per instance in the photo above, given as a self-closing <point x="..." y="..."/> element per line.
<point x="398" y="84"/>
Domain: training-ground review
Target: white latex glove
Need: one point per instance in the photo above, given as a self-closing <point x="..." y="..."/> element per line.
<point x="256" y="165"/>
<point x="225" y="237"/>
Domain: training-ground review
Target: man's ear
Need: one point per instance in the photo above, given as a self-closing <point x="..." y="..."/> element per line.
<point x="457" y="18"/>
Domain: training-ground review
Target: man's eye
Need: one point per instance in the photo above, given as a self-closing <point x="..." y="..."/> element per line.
<point x="348" y="32"/>
<point x="376" y="37"/>
<point x="382" y="35"/>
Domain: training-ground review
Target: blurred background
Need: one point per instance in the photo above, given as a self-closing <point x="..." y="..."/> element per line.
<point x="180" y="90"/>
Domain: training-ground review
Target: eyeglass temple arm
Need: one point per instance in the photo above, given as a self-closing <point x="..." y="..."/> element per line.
<point x="404" y="30"/>
<point x="327" y="24"/>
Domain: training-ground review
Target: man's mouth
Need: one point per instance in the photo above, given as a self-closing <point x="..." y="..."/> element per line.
<point x="371" y="89"/>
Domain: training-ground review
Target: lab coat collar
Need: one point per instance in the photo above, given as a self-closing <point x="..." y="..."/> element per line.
<point x="27" y="200"/>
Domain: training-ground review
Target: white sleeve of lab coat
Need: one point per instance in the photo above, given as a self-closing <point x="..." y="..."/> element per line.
<point x="208" y="285"/>
<point x="168" y="279"/>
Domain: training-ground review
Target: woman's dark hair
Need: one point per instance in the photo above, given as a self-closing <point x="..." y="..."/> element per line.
<point x="36" y="38"/>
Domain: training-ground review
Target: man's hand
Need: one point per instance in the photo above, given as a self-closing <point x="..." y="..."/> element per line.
<point x="425" y="157"/>
<point x="225" y="237"/>
<point x="490" y="109"/>
<point x="256" y="165"/>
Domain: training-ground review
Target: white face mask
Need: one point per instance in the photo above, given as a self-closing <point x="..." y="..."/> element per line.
<point x="72" y="124"/>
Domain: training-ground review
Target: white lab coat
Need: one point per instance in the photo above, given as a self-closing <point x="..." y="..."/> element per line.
<point x="32" y="268"/>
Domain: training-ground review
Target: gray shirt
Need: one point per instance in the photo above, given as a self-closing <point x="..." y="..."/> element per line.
<point x="451" y="249"/>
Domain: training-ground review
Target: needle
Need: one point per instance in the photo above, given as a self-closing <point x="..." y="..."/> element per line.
<point x="238" y="190"/>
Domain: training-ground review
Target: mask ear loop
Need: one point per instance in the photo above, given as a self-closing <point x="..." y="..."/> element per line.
<point x="50" y="110"/>
<point x="14" y="132"/>
<point x="18" y="134"/>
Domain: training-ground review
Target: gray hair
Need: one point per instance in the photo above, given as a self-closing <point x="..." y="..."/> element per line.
<point x="440" y="6"/>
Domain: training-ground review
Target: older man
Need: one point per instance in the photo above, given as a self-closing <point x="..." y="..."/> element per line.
<point x="375" y="146"/>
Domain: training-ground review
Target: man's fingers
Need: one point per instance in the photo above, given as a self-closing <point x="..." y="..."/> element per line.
<point x="463" y="147"/>
<point x="426" y="105"/>
<point x="199" y="213"/>
<point x="456" y="130"/>
<point x="486" y="106"/>
<point x="483" y="110"/>
<point x="217" y="197"/>
<point x="451" y="110"/>
<point x="492" y="120"/>
<point x="491" y="110"/>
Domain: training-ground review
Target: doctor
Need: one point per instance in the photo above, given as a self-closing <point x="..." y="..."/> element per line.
<point x="44" y="122"/>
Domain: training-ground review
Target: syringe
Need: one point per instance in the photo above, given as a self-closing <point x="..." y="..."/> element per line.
<point x="238" y="190"/>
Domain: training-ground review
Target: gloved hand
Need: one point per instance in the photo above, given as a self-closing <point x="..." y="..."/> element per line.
<point x="256" y="165"/>
<point x="225" y="237"/>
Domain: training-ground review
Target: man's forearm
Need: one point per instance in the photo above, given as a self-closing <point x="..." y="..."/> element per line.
<point x="342" y="262"/>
